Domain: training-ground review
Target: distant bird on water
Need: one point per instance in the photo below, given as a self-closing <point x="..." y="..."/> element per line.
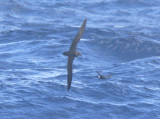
<point x="103" y="77"/>
<point x="72" y="53"/>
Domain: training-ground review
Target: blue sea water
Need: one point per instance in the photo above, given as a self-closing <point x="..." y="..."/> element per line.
<point x="122" y="38"/>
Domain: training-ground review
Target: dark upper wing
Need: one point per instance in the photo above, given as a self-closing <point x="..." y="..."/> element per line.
<point x="77" y="38"/>
<point x="98" y="73"/>
<point x="69" y="70"/>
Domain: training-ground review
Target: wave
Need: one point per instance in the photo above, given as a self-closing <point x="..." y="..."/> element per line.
<point x="127" y="48"/>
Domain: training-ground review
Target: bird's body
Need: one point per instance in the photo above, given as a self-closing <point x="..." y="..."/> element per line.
<point x="103" y="77"/>
<point x="72" y="53"/>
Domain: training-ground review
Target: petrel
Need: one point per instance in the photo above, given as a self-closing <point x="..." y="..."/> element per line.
<point x="72" y="53"/>
<point x="103" y="77"/>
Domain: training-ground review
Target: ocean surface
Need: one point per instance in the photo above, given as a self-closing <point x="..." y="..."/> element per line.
<point x="122" y="38"/>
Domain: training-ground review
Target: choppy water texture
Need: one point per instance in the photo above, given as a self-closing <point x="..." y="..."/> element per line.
<point x="122" y="38"/>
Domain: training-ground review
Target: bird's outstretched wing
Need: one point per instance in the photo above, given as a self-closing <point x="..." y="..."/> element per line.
<point x="77" y="38"/>
<point x="69" y="70"/>
<point x="108" y="76"/>
<point x="98" y="73"/>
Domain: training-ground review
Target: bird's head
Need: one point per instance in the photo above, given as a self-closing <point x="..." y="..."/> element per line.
<point x="66" y="53"/>
<point x="78" y="54"/>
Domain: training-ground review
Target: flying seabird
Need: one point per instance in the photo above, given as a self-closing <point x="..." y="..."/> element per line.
<point x="72" y="53"/>
<point x="103" y="77"/>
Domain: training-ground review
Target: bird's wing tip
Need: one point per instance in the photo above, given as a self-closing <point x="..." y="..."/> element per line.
<point x="85" y="20"/>
<point x="68" y="88"/>
<point x="98" y="72"/>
